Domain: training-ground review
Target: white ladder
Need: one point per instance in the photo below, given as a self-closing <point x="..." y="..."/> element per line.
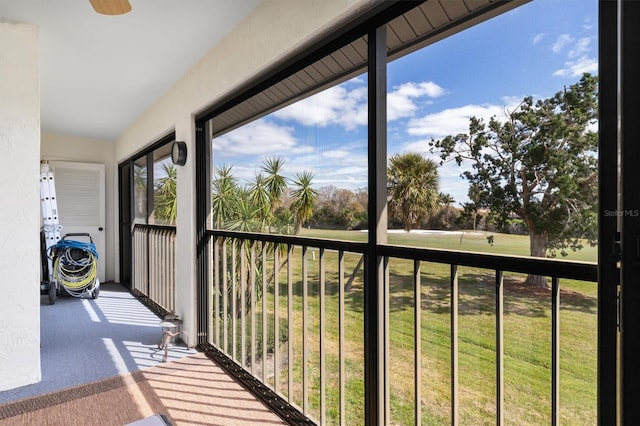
<point x="49" y="207"/>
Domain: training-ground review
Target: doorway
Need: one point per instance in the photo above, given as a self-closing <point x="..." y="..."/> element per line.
<point x="80" y="191"/>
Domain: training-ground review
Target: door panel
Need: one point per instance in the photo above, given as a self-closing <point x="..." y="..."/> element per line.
<point x="80" y="189"/>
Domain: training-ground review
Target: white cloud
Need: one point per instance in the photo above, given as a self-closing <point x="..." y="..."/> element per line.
<point x="538" y="37"/>
<point x="451" y="121"/>
<point x="562" y="41"/>
<point x="348" y="171"/>
<point x="343" y="176"/>
<point x="304" y="149"/>
<point x="336" y="153"/>
<point x="578" y="67"/>
<point x="587" y="24"/>
<point x="401" y="102"/>
<point x="339" y="105"/>
<point x="578" y="59"/>
<point x="420" y="146"/>
<point x="425" y="88"/>
<point x="336" y="105"/>
<point x="580" y="48"/>
<point x="453" y="184"/>
<point x="256" y="138"/>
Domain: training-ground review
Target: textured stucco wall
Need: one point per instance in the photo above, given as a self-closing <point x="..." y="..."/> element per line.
<point x="19" y="205"/>
<point x="274" y="30"/>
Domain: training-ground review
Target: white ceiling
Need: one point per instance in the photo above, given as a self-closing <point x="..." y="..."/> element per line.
<point x="100" y="73"/>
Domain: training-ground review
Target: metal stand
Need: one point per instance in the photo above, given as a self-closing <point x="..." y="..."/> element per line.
<point x="170" y="329"/>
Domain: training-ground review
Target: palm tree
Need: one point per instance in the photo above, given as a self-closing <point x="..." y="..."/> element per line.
<point x="260" y="199"/>
<point x="140" y="185"/>
<point x="275" y="182"/>
<point x="166" y="200"/>
<point x="412" y="184"/>
<point x="304" y="198"/>
<point x="246" y="214"/>
<point x="224" y="193"/>
<point x="285" y="222"/>
<point x="446" y="199"/>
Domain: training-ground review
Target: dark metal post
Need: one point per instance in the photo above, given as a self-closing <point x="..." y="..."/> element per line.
<point x="203" y="207"/>
<point x="555" y="351"/>
<point x="377" y="214"/>
<point x="608" y="273"/>
<point x="630" y="211"/>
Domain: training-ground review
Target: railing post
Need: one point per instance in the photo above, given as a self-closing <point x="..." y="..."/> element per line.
<point x="305" y="325"/>
<point x="147" y="259"/>
<point x="253" y="284"/>
<point x="217" y="291"/>
<point x="243" y="303"/>
<point x="323" y="371"/>
<point x="265" y="332"/>
<point x="341" y="348"/>
<point x="290" y="323"/>
<point x="555" y="351"/>
<point x="234" y="301"/>
<point x="499" y="348"/>
<point x="276" y="319"/>
<point x="225" y="297"/>
<point x="454" y="345"/>
<point x="417" y="339"/>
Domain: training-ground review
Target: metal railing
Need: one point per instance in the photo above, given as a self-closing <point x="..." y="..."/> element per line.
<point x="493" y="283"/>
<point x="154" y="264"/>
<point x="288" y="311"/>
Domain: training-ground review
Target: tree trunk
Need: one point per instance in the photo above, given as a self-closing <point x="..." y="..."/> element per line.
<point x="538" y="248"/>
<point x="349" y="283"/>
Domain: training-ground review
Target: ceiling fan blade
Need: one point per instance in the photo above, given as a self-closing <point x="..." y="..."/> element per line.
<point x="111" y="7"/>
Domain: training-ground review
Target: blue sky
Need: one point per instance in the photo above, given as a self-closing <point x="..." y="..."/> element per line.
<point x="533" y="50"/>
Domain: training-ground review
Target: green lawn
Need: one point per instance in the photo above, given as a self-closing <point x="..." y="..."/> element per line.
<point x="458" y="240"/>
<point x="527" y="338"/>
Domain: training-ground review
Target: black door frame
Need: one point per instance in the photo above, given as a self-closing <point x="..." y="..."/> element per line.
<point x="629" y="210"/>
<point x="608" y="272"/>
<point x="126" y="203"/>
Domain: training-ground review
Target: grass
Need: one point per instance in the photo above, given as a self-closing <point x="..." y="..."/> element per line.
<point x="459" y="240"/>
<point x="527" y="339"/>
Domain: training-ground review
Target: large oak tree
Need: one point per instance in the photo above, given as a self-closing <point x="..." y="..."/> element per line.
<point x="540" y="164"/>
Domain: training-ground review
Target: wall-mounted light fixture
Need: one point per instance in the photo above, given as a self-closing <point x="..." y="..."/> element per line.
<point x="179" y="153"/>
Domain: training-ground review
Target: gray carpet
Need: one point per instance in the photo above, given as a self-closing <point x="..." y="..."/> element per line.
<point x="84" y="340"/>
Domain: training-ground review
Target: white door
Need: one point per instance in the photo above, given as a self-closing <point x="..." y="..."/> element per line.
<point x="80" y="190"/>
